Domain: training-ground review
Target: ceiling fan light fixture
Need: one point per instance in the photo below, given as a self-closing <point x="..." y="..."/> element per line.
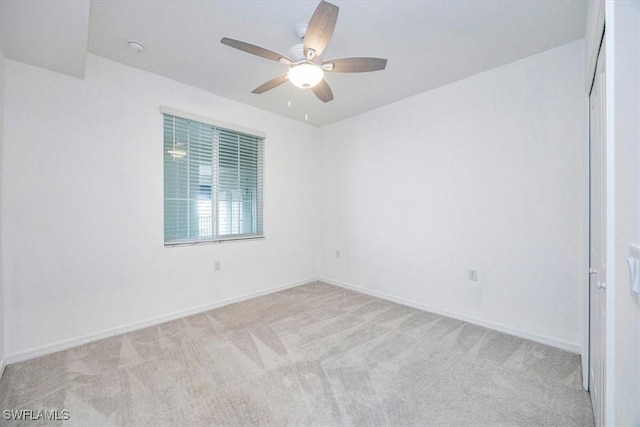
<point x="305" y="75"/>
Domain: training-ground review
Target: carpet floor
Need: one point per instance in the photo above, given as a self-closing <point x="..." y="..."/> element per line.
<point x="314" y="355"/>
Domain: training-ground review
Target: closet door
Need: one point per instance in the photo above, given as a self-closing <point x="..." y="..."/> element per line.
<point x="598" y="239"/>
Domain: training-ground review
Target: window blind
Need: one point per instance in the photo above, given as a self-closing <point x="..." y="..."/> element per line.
<point x="212" y="182"/>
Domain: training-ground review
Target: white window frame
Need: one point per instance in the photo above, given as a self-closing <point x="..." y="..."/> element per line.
<point x="229" y="127"/>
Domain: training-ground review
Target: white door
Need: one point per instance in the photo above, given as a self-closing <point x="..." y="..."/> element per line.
<point x="597" y="237"/>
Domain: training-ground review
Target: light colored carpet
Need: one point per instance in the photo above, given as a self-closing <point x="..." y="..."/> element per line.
<point x="311" y="355"/>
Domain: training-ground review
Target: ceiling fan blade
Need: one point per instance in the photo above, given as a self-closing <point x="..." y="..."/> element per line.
<point x="354" y="65"/>
<point x="255" y="50"/>
<point x="275" y="82"/>
<point x="323" y="91"/>
<point x="320" y="29"/>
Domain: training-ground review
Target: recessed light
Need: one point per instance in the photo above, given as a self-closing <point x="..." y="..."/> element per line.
<point x="135" y="45"/>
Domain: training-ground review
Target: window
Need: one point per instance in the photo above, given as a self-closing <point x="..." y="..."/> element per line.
<point x="212" y="182"/>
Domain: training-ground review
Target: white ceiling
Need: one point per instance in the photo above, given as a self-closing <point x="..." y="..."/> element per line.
<point x="48" y="34"/>
<point x="427" y="43"/>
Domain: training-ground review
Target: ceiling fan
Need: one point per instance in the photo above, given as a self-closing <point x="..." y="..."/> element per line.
<point x="306" y="69"/>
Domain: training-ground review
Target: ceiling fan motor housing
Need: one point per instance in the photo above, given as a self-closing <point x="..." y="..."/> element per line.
<point x="296" y="52"/>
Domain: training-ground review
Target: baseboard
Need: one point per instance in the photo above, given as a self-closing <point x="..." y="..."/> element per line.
<point x="3" y="364"/>
<point x="74" y="342"/>
<point x="532" y="336"/>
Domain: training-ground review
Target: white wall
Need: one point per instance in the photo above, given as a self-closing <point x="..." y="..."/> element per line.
<point x="623" y="76"/>
<point x="487" y="173"/>
<point x="490" y="173"/>
<point x="594" y="26"/>
<point x="82" y="206"/>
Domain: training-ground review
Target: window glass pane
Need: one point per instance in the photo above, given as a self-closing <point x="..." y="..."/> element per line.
<point x="187" y="180"/>
<point x="239" y="186"/>
<point x="212" y="182"/>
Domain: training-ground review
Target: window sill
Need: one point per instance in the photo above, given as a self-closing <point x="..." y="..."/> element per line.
<point x="213" y="242"/>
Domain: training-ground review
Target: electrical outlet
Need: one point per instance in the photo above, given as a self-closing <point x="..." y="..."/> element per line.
<point x="217" y="266"/>
<point x="473" y="275"/>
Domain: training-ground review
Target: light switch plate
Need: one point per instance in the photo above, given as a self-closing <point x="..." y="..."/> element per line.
<point x="634" y="269"/>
